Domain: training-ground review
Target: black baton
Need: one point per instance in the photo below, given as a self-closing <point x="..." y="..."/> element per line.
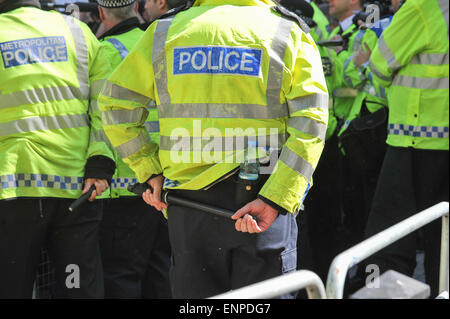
<point x="331" y="43"/>
<point x="83" y="198"/>
<point x="169" y="198"/>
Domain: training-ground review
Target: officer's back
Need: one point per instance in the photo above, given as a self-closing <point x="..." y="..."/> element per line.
<point x="50" y="143"/>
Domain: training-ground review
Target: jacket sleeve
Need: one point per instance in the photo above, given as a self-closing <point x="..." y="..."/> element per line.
<point x="353" y="76"/>
<point x="100" y="157"/>
<point x="123" y="102"/>
<point x="307" y="99"/>
<point x="398" y="44"/>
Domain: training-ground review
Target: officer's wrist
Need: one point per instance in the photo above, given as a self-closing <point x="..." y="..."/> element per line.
<point x="153" y="176"/>
<point x="275" y="206"/>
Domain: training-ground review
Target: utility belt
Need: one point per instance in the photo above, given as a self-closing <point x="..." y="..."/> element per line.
<point x="364" y="140"/>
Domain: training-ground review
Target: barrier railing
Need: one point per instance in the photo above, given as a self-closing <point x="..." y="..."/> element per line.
<point x="341" y="263"/>
<point x="280" y="285"/>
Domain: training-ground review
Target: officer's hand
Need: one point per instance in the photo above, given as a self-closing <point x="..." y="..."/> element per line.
<point x="154" y="198"/>
<point x="265" y="216"/>
<point x="361" y="56"/>
<point x="100" y="186"/>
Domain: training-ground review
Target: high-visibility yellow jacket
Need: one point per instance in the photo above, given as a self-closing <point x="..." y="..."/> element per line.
<point x="328" y="55"/>
<point x="51" y="71"/>
<point x="370" y="92"/>
<point x="412" y="59"/>
<point x="323" y="25"/>
<point x="220" y="73"/>
<point x="117" y="48"/>
<point x="346" y="90"/>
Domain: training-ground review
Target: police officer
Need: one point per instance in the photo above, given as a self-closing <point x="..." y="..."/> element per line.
<point x="134" y="238"/>
<point x="352" y="98"/>
<point x="242" y="72"/>
<point x="51" y="71"/>
<point x="156" y="8"/>
<point x="316" y="244"/>
<point x="411" y="59"/>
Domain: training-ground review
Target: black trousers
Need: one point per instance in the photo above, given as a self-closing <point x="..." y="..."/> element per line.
<point x="210" y="257"/>
<point x="134" y="243"/>
<point x="411" y="180"/>
<point x="322" y="216"/>
<point x="72" y="242"/>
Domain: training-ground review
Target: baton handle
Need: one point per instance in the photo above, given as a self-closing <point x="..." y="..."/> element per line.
<point x="82" y="199"/>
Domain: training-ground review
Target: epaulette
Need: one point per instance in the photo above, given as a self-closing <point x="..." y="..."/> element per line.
<point x="176" y="10"/>
<point x="292" y="16"/>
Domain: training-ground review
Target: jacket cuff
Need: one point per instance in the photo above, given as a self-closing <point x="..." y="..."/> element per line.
<point x="280" y="209"/>
<point x="154" y="175"/>
<point x="100" y="167"/>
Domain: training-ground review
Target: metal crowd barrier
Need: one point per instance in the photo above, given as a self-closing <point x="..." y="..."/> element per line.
<point x="280" y="285"/>
<point x="341" y="263"/>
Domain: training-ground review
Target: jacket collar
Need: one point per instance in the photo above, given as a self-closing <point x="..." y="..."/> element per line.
<point x="261" y="3"/>
<point x="122" y="27"/>
<point x="10" y="5"/>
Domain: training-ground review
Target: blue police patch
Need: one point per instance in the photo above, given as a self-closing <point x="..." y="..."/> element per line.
<point x="34" y="50"/>
<point x="217" y="59"/>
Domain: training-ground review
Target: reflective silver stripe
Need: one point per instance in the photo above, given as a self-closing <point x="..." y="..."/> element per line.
<point x="318" y="100"/>
<point x="297" y="163"/>
<point x="388" y="55"/>
<point x="211" y="110"/>
<point x="137" y="115"/>
<point x="375" y="71"/>
<point x="308" y="126"/>
<point x="430" y="58"/>
<point x="99" y="136"/>
<point x="121" y="93"/>
<point x="345" y="93"/>
<point x="159" y="59"/>
<point x="93" y="106"/>
<point x="421" y="83"/>
<point x="44" y="123"/>
<point x="39" y="95"/>
<point x="97" y="86"/>
<point x="276" y="64"/>
<point x="82" y="55"/>
<point x="419" y="131"/>
<point x="134" y="145"/>
<point x="220" y="143"/>
<point x="443" y="4"/>
<point x="40" y="180"/>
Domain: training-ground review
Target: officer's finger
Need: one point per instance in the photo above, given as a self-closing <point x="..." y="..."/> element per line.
<point x="146" y="197"/>
<point x="242" y="211"/>
<point x="252" y="225"/>
<point x="244" y="224"/>
<point x="93" y="195"/>
<point x="87" y="185"/>
<point x="155" y="201"/>
<point x="237" y="225"/>
<point x="99" y="187"/>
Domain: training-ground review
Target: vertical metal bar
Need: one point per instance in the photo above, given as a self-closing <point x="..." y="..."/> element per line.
<point x="443" y="271"/>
